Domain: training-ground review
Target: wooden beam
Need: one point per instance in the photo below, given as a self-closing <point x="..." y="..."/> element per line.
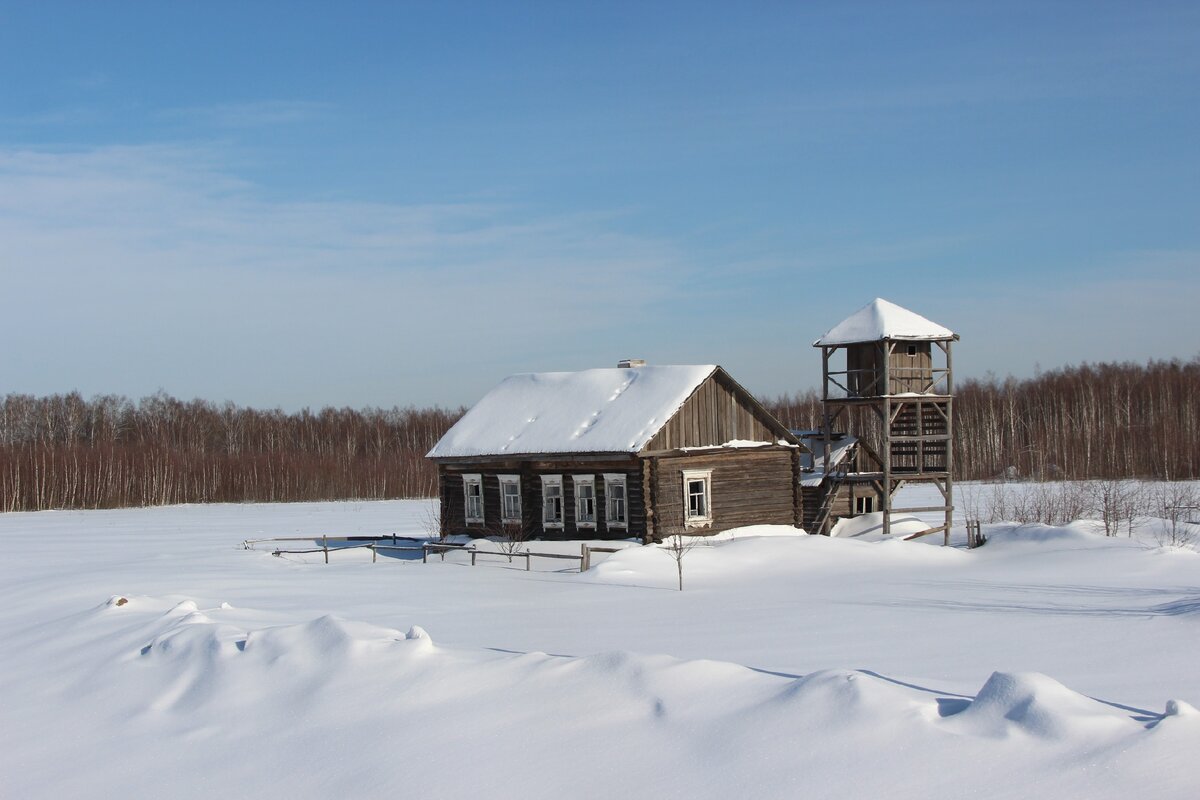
<point x="950" y="445"/>
<point x="924" y="533"/>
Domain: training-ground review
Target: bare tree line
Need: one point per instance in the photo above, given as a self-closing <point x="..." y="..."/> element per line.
<point x="62" y="451"/>
<point x="1112" y="420"/>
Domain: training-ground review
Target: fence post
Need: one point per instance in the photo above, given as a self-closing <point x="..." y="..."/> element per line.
<point x="373" y="554"/>
<point x="974" y="534"/>
<point x="527" y="560"/>
<point x="424" y="554"/>
<point x="585" y="557"/>
<point x="472" y="558"/>
<point x="325" y="544"/>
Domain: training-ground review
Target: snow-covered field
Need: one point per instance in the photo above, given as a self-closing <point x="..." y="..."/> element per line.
<point x="1051" y="662"/>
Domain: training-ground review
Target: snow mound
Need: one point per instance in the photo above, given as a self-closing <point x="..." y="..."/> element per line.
<point x="199" y="681"/>
<point x="751" y="531"/>
<point x="869" y="527"/>
<point x="189" y="633"/>
<point x="838" y="698"/>
<point x="203" y="660"/>
<point x="1039" y="706"/>
<point x="1037" y="533"/>
<point x="760" y="551"/>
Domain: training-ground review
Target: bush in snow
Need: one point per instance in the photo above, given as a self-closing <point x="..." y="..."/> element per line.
<point x="1115" y="501"/>
<point x="1179" y="507"/>
<point x="677" y="545"/>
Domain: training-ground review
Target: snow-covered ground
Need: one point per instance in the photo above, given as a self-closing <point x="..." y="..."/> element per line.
<point x="145" y="653"/>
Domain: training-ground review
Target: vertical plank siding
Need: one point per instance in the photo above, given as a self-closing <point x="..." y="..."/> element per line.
<point x="716" y="413"/>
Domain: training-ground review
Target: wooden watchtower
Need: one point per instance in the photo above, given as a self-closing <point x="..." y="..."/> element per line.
<point x="895" y="393"/>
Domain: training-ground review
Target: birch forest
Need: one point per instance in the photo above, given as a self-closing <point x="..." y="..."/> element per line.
<point x="1092" y="421"/>
<point x="65" y="451"/>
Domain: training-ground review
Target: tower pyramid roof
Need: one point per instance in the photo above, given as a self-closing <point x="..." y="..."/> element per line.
<point x="880" y="319"/>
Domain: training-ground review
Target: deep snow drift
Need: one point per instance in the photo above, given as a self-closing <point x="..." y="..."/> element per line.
<point x="145" y="653"/>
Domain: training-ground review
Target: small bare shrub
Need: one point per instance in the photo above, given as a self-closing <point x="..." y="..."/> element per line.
<point x="1115" y="501"/>
<point x="1136" y="505"/>
<point x="677" y="545"/>
<point x="510" y="537"/>
<point x="1045" y="502"/>
<point x="1177" y="504"/>
<point x="969" y="499"/>
<point x="431" y="522"/>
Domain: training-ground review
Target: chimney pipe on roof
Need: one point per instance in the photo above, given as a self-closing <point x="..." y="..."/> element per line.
<point x="626" y="363"/>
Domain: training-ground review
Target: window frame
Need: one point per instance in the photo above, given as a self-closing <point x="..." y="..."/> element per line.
<point x="589" y="481"/>
<point x="473" y="479"/>
<point x="556" y="481"/>
<point x="505" y="517"/>
<point x="616" y="479"/>
<point x="864" y="504"/>
<point x="704" y="476"/>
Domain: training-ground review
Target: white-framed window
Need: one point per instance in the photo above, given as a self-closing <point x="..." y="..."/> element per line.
<point x="552" y="501"/>
<point x="697" y="497"/>
<point x="585" y="500"/>
<point x="473" y="497"/>
<point x="510" y="498"/>
<point x="616" y="503"/>
<point x="864" y="504"/>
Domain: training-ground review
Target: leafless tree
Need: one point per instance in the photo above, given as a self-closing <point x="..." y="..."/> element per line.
<point x="1178" y="505"/>
<point x="431" y="521"/>
<point x="1104" y="421"/>
<point x="509" y="536"/>
<point x="1114" y="420"/>
<point x="677" y="545"/>
<point x="1135" y="505"/>
<point x="63" y="451"/>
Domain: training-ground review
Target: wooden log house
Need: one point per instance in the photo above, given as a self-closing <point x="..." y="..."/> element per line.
<point x="635" y="451"/>
<point x="650" y="451"/>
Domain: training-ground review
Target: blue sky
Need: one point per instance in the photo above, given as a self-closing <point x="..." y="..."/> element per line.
<point x="393" y="203"/>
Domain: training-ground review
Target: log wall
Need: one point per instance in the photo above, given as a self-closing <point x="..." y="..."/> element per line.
<point x="531" y="472"/>
<point x="749" y="487"/>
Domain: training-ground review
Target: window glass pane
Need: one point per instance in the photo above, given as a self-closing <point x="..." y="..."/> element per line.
<point x="552" y="503"/>
<point x="615" y="513"/>
<point x="585" y="501"/>
<point x="512" y="500"/>
<point x="473" y="492"/>
<point x="697" y="505"/>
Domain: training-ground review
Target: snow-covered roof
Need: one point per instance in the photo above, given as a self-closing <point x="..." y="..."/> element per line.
<point x="593" y="411"/>
<point x="880" y="319"/>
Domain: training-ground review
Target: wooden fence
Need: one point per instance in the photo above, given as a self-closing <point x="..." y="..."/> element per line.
<point x="975" y="537"/>
<point x="424" y="548"/>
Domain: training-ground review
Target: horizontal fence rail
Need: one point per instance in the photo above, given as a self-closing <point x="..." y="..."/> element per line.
<point x="374" y="544"/>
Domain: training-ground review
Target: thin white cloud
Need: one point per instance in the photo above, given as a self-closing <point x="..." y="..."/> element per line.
<point x="149" y="266"/>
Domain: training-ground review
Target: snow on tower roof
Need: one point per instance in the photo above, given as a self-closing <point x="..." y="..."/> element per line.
<point x="593" y="411"/>
<point x="880" y="319"/>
